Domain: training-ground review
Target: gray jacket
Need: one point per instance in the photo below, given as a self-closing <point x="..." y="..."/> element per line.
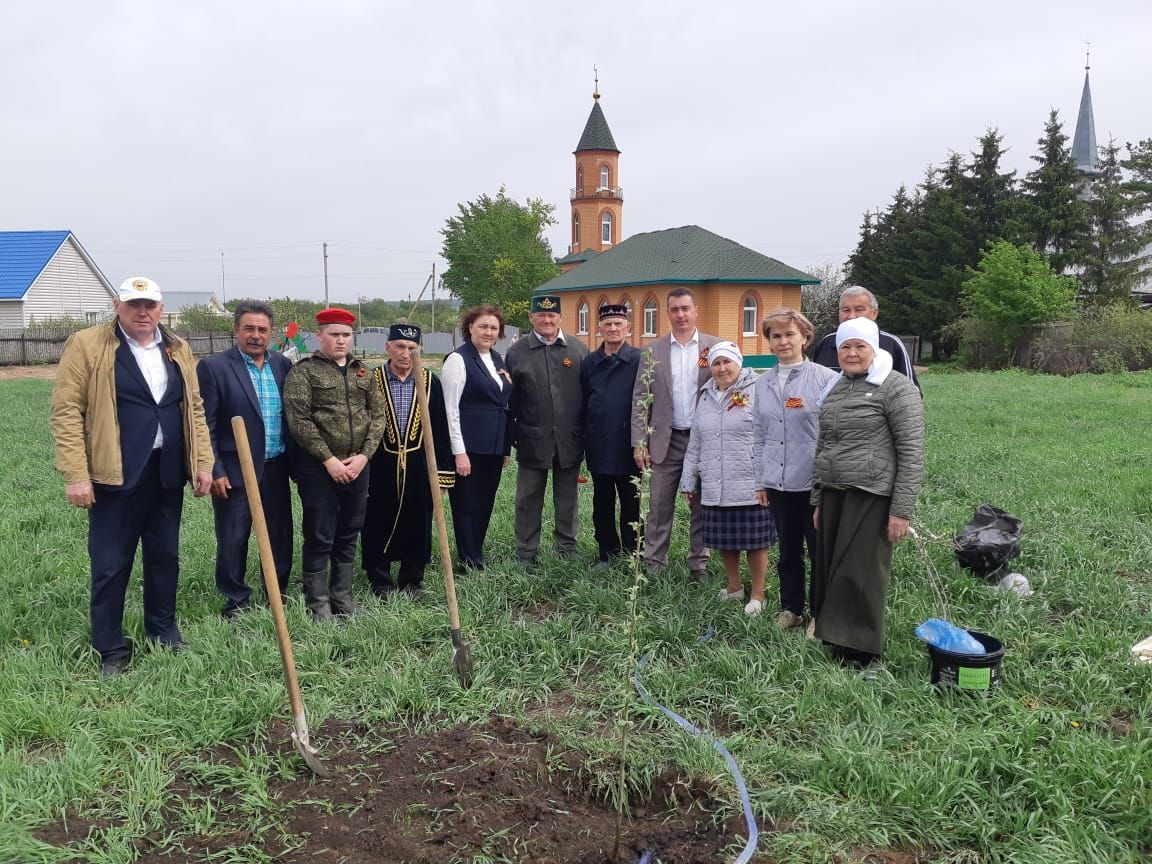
<point x="719" y="455"/>
<point x="786" y="426"/>
<point x="872" y="439"/>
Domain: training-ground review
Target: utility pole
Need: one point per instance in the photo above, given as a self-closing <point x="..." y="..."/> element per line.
<point x="223" y="292"/>
<point x="326" y="303"/>
<point x="433" y="296"/>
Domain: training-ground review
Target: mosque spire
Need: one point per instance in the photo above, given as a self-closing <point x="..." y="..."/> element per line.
<point x="1084" y="141"/>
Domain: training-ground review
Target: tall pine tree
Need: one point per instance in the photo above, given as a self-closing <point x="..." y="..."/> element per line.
<point x="1113" y="253"/>
<point x="1054" y="214"/>
<point x="1138" y="187"/>
<point x="991" y="195"/>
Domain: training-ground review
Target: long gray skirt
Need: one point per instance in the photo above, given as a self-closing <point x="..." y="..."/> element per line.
<point x="852" y="564"/>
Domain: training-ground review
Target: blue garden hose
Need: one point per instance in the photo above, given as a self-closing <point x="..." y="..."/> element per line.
<point x="733" y="768"/>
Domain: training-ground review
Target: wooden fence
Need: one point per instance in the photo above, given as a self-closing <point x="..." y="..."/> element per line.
<point x="41" y="345"/>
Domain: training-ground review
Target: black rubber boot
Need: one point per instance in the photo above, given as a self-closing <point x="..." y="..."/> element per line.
<point x="342" y="604"/>
<point x="316" y="595"/>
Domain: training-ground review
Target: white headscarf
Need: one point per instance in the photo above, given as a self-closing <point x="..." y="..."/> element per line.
<point x="725" y="349"/>
<point x="866" y="329"/>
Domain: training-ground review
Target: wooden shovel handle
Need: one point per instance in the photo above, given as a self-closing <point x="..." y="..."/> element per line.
<point x="268" y="566"/>
<point x="434" y="486"/>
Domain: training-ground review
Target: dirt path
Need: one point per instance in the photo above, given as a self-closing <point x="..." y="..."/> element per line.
<point x="23" y="373"/>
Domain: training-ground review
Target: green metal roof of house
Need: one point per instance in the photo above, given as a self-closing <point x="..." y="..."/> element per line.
<point x="687" y="255"/>
<point x="597" y="135"/>
<point x="578" y="257"/>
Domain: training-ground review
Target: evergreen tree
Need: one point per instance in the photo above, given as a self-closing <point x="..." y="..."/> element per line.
<point x="1138" y="187"/>
<point x="1113" y="254"/>
<point x="991" y="196"/>
<point x="947" y="241"/>
<point x="1055" y="215"/>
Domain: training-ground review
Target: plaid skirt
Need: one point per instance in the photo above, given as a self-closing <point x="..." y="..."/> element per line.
<point x="747" y="527"/>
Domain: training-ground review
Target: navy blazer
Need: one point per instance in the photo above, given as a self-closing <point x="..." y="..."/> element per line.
<point x="485" y="418"/>
<point x="608" y="381"/>
<point x="227" y="391"/>
<point x="139" y="415"/>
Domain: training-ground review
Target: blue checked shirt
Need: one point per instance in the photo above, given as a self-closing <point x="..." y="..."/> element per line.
<point x="270" y="406"/>
<point x="403" y="392"/>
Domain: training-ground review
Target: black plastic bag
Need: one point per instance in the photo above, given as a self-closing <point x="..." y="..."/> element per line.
<point x="988" y="542"/>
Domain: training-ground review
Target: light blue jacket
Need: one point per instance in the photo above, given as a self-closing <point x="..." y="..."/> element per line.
<point x="786" y="427"/>
<point x="719" y="455"/>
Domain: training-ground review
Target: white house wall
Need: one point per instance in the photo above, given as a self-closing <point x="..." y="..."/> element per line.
<point x="11" y="314"/>
<point x="67" y="288"/>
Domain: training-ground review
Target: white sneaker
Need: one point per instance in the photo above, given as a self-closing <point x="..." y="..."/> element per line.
<point x="754" y="607"/>
<point x="725" y="594"/>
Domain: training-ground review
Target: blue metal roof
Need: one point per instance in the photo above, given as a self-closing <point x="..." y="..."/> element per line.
<point x="23" y="256"/>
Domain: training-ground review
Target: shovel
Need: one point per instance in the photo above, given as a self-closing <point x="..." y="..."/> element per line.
<point x="461" y="652"/>
<point x="272" y="586"/>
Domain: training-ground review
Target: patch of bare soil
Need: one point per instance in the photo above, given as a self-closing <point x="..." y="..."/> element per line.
<point x="22" y="373"/>
<point x="495" y="792"/>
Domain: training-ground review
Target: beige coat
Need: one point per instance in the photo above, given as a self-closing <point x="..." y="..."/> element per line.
<point x="84" y="420"/>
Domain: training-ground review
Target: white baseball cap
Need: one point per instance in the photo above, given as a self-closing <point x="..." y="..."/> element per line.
<point x="139" y="288"/>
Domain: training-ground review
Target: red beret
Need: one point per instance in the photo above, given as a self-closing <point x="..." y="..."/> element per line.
<point x="335" y="315"/>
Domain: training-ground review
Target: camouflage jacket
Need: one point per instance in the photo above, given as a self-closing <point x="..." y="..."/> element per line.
<point x="333" y="413"/>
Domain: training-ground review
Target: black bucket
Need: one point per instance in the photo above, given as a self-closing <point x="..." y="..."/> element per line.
<point x="968" y="671"/>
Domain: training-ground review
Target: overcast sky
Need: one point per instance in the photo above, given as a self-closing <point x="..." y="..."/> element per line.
<point x="165" y="133"/>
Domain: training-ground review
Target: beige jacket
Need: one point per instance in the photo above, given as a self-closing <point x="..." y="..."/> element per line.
<point x="84" y="421"/>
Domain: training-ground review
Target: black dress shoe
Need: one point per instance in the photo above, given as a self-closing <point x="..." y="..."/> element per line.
<point x="230" y="613"/>
<point x="114" y="667"/>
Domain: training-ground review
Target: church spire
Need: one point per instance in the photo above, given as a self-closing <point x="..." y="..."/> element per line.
<point x="1084" y="141"/>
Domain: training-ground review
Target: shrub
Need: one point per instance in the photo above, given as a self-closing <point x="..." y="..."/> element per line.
<point x="1105" y="338"/>
<point x="1012" y="289"/>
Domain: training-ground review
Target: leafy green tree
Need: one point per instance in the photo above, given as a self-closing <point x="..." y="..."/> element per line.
<point x="1054" y="212"/>
<point x="1113" y="256"/>
<point x="497" y="253"/>
<point x="203" y="319"/>
<point x="288" y="309"/>
<point x="1014" y="287"/>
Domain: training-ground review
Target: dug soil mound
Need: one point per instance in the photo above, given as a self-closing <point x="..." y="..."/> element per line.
<point x="495" y="792"/>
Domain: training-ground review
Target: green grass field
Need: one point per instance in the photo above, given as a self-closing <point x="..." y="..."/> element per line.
<point x="1056" y="768"/>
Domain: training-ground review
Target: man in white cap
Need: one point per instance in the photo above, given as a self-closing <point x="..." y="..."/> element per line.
<point x="129" y="428"/>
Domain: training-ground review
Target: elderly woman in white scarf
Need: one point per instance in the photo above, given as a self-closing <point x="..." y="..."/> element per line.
<point x="720" y="466"/>
<point x="866" y="477"/>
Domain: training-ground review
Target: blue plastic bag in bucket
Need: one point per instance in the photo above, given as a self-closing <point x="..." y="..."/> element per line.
<point x="968" y="671"/>
<point x="961" y="658"/>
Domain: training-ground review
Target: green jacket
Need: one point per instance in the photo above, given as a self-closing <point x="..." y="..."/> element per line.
<point x="872" y="439"/>
<point x="84" y="420"/>
<point x="331" y="412"/>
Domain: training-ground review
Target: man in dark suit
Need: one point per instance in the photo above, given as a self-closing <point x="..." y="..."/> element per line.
<point x="247" y="381"/>
<point x="609" y="377"/>
<point x="672" y="370"/>
<point x="129" y="429"/>
<point x="548" y="421"/>
<point x="857" y="301"/>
